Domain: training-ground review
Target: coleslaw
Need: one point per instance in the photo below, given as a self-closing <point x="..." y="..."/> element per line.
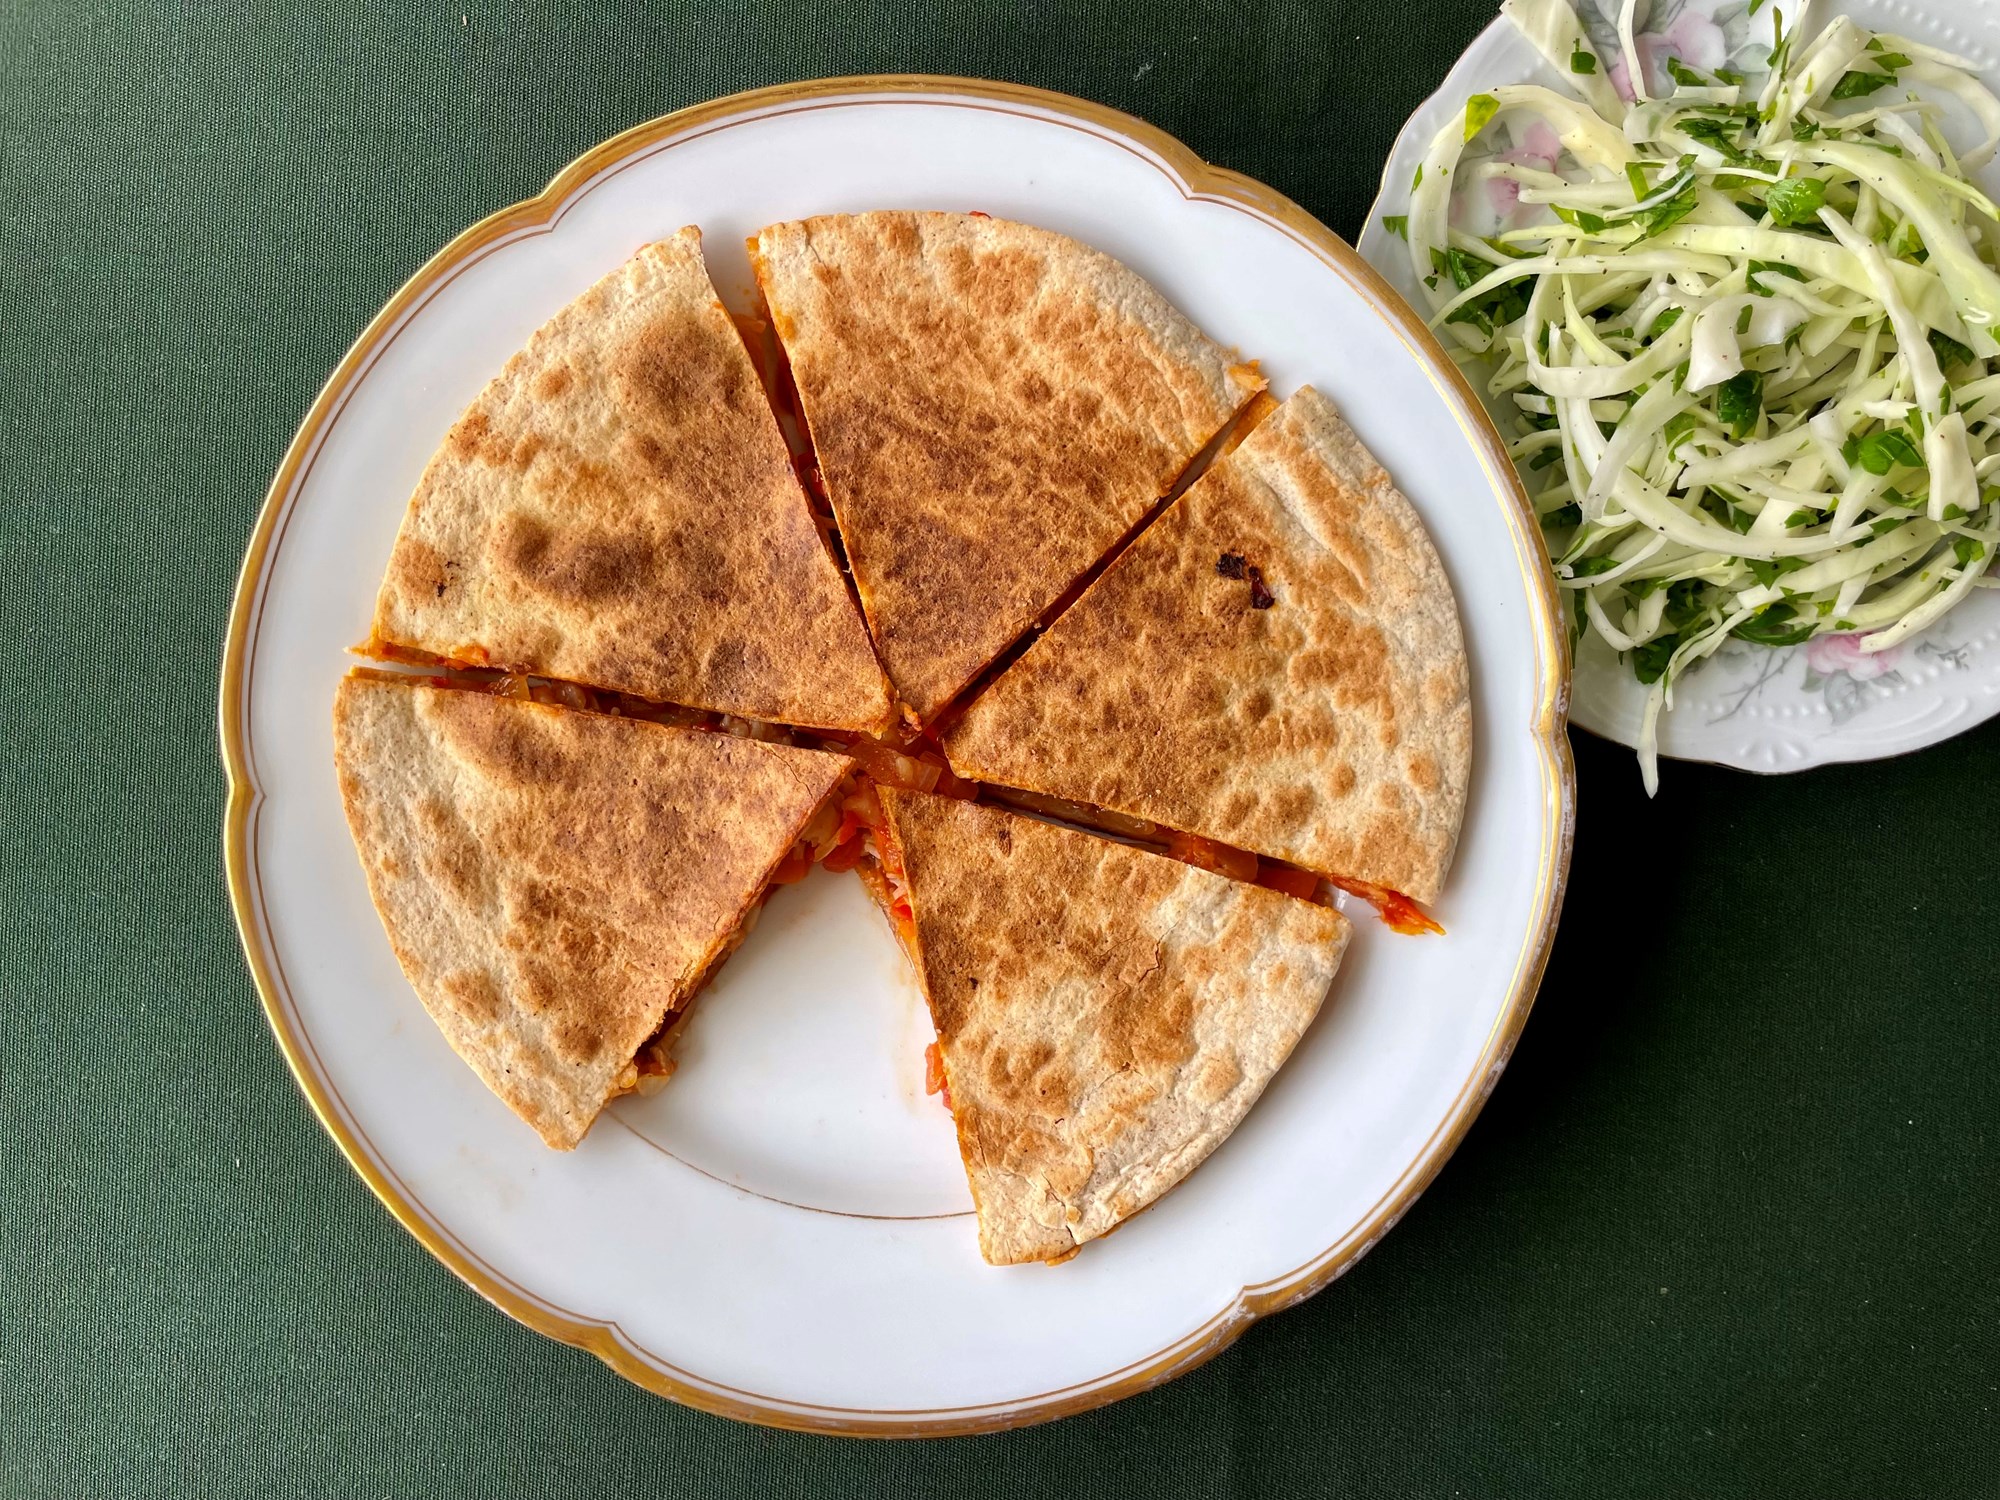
<point x="1751" y="341"/>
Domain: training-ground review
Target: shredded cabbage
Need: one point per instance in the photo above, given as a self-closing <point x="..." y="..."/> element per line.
<point x="1751" y="329"/>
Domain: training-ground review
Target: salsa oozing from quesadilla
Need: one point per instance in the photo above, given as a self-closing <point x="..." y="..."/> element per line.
<point x="1105" y="1017"/>
<point x="558" y="885"/>
<point x="619" y="507"/>
<point x="992" y="407"/>
<point x="1275" y="666"/>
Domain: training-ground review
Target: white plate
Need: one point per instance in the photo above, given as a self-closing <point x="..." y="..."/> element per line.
<point x="784" y="1234"/>
<point x="1749" y="706"/>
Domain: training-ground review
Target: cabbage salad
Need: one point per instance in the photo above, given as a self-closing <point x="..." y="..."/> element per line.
<point x="1749" y="331"/>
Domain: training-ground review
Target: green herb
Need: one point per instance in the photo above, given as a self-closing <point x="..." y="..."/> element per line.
<point x="1588" y="222"/>
<point x="1682" y="74"/>
<point x="1950" y="352"/>
<point x="1461" y="266"/>
<point x="1503" y="305"/>
<point x="1890" y="60"/>
<point x="1636" y="175"/>
<point x="1686" y="603"/>
<point x="1773" y="626"/>
<point x="1562" y="516"/>
<point x="1803" y="129"/>
<point x="1479" y="109"/>
<point x="1800" y="517"/>
<point x="1649" y="662"/>
<point x="1665" y="215"/>
<point x="1728" y="75"/>
<point x="1880" y="452"/>
<point x="1770" y="268"/>
<point x="1663" y="322"/>
<point x="1796" y="200"/>
<point x="1716" y="503"/>
<point x="1678" y="430"/>
<point x="1715" y="134"/>
<point x="1768" y="573"/>
<point x="1967" y="550"/>
<point x="1590" y="567"/>
<point x="1582" y="61"/>
<point x="1418" y="180"/>
<point x="1397" y="224"/>
<point x="1743" y="316"/>
<point x="1739" y="402"/>
<point x="1884" y="526"/>
<point x="1954" y="513"/>
<point x="1855" y="85"/>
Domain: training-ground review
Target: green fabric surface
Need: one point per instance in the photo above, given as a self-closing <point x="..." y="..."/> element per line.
<point x="1728" y="1228"/>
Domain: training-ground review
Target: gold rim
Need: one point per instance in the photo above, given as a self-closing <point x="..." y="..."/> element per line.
<point x="1197" y="180"/>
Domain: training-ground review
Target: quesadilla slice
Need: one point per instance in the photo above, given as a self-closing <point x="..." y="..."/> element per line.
<point x="619" y="508"/>
<point x="558" y="885"/>
<point x="993" y="407"/>
<point x="1105" y="1016"/>
<point x="1274" y="665"/>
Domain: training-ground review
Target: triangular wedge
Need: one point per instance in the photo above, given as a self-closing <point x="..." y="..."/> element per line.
<point x="557" y="884"/>
<point x="1106" y="1016"/>
<point x="1276" y="664"/>
<point x="993" y="407"/>
<point x="619" y="508"/>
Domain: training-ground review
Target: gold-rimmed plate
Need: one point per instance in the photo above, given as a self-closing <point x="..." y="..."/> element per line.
<point x="783" y="1235"/>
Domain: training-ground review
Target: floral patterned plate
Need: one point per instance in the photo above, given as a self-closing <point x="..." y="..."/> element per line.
<point x="1747" y="706"/>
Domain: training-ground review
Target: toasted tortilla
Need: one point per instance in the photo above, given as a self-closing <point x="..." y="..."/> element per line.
<point x="1106" y="1016"/>
<point x="1331" y="727"/>
<point x="556" y="884"/>
<point x="618" y="508"/>
<point x="993" y="407"/>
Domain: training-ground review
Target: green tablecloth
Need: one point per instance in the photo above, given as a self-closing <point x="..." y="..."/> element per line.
<point x="1729" y="1227"/>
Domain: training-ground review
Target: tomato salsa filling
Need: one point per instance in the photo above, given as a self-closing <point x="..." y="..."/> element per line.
<point x="909" y="761"/>
<point x="1395" y="909"/>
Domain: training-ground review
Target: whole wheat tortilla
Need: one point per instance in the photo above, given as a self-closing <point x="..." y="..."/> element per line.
<point x="1106" y="1016"/>
<point x="993" y="406"/>
<point x="1332" y="728"/>
<point x="618" y="508"/>
<point x="556" y="883"/>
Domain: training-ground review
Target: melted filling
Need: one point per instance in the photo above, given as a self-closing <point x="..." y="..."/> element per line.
<point x="909" y="761"/>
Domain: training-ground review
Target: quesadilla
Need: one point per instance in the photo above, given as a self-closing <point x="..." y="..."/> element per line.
<point x="1275" y="665"/>
<point x="619" y="508"/>
<point x="558" y="885"/>
<point x="1105" y="1016"/>
<point x="993" y="407"/>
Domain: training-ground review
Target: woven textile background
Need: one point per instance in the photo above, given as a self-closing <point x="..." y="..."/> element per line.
<point x="1730" y="1226"/>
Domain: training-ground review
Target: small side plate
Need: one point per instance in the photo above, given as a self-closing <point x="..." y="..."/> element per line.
<point x="1748" y="706"/>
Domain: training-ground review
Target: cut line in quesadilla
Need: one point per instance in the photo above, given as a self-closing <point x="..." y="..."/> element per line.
<point x="1105" y="1017"/>
<point x="619" y="507"/>
<point x="992" y="407"/>
<point x="1275" y="665"/>
<point x="558" y="885"/>
<point x="1396" y="910"/>
<point x="1223" y="443"/>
